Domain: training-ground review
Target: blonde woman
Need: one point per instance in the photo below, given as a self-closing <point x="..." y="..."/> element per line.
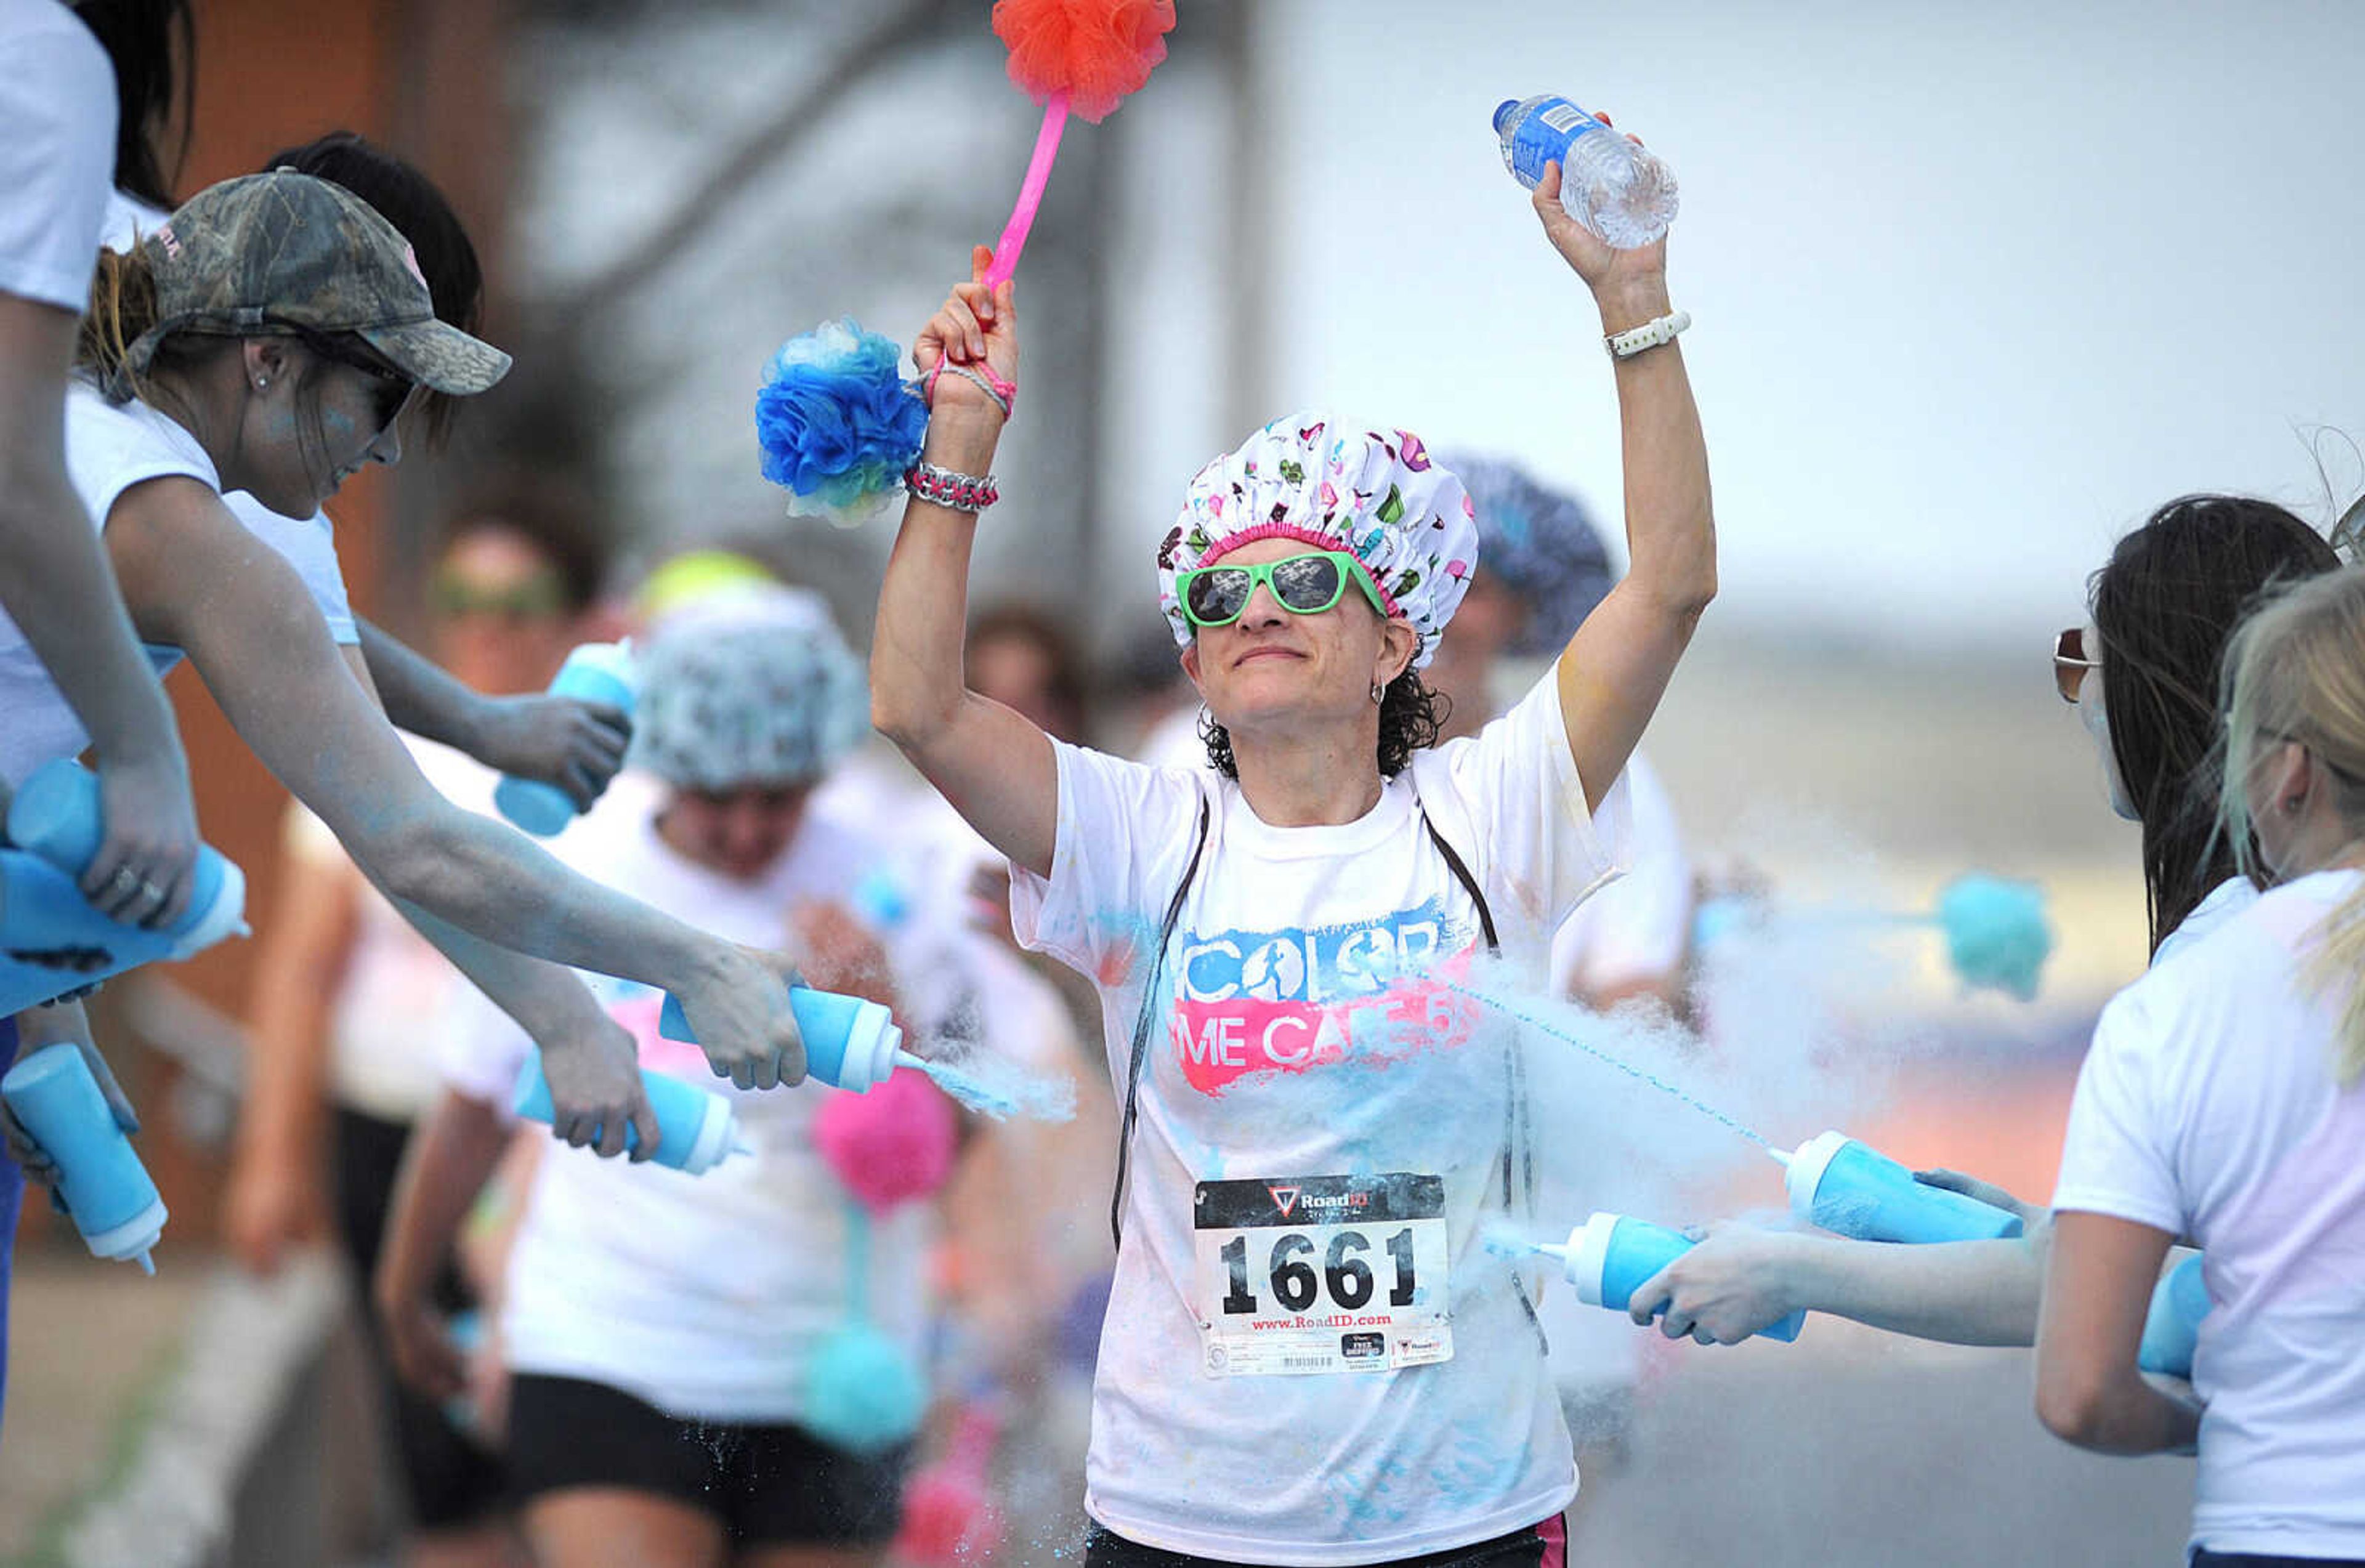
<point x="2224" y="1100"/>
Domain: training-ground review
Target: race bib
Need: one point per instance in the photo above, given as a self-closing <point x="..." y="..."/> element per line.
<point x="1310" y="1274"/>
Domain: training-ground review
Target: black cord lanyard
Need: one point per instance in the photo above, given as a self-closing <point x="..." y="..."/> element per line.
<point x="1514" y="1119"/>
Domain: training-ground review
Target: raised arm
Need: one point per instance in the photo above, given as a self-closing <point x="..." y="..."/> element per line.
<point x="993" y="765"/>
<point x="195" y="578"/>
<point x="574" y="745"/>
<point x="55" y="583"/>
<point x="1616" y="667"/>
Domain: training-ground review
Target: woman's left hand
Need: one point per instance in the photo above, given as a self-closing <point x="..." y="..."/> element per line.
<point x="1610" y="273"/>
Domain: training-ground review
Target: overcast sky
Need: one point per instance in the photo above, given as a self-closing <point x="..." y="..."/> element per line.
<point x="1976" y="286"/>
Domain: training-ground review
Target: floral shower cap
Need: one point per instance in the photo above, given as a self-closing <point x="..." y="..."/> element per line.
<point x="751" y="688"/>
<point x="1541" y="545"/>
<point x="1373" y="493"/>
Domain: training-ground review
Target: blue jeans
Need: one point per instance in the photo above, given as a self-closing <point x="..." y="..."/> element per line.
<point x="12" y="1189"/>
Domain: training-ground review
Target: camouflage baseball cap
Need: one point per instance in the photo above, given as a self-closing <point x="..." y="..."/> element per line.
<point x="274" y="252"/>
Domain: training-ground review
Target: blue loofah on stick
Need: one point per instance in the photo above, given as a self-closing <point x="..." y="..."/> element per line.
<point x="1997" y="935"/>
<point x="838" y="424"/>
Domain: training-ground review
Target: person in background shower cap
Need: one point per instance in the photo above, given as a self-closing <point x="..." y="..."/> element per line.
<point x="1280" y="944"/>
<point x="1546" y="567"/>
<point x="668" y="1339"/>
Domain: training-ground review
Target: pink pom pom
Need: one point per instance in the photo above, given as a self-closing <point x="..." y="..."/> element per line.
<point x="947" y="1520"/>
<point x="1095" y="50"/>
<point x="892" y="1145"/>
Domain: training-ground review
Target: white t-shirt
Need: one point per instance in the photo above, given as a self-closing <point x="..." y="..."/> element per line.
<point x="2207" y="1109"/>
<point x="57" y="152"/>
<point x="1310" y="1058"/>
<point x="309" y="543"/>
<point x="702" y="1295"/>
<point x="109" y="448"/>
<point x="2226" y="899"/>
<point x="396" y="996"/>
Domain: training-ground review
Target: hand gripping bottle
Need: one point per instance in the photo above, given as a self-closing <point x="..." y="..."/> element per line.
<point x="1615" y="188"/>
<point x="55" y="822"/>
<point x="1855" y="1190"/>
<point x="695" y="1126"/>
<point x="850" y="1042"/>
<point x="1610" y="1256"/>
<point x="107" y="1190"/>
<point x="594" y="672"/>
<point x="2173" y="1328"/>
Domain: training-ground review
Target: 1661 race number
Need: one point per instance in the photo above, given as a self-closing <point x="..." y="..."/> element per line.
<point x="1313" y="1274"/>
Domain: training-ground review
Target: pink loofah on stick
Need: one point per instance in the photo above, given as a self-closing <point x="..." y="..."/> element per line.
<point x="892" y="1145"/>
<point x="1084" y="55"/>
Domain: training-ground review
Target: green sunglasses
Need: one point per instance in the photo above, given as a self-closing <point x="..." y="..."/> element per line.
<point x="1304" y="585"/>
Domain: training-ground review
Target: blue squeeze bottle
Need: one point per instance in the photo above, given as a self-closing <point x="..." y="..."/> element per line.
<point x="55" y="822"/>
<point x="695" y="1126"/>
<point x="1851" y="1189"/>
<point x="850" y="1042"/>
<point x="1620" y="191"/>
<point x="106" y="1191"/>
<point x="594" y="672"/>
<point x="1610" y="1256"/>
<point x="2173" y="1328"/>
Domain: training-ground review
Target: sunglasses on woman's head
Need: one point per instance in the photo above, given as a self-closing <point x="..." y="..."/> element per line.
<point x="1303" y="585"/>
<point x="2071" y="663"/>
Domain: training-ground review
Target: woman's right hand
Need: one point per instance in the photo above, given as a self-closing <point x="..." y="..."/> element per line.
<point x="419" y="1342"/>
<point x="975" y="326"/>
<point x="272" y="1203"/>
<point x="739" y="1011"/>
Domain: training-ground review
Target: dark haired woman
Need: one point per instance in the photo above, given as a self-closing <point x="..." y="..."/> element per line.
<point x="2164" y="606"/>
<point x="574" y="746"/>
<point x="1308" y="1356"/>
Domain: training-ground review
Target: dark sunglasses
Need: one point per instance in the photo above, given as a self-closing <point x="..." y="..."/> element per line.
<point x="2071" y="663"/>
<point x="1303" y="585"/>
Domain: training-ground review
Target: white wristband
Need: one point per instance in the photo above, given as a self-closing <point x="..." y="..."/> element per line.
<point x="1649" y="335"/>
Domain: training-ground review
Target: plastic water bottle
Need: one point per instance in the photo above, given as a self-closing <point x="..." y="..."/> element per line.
<point x="106" y="1191"/>
<point x="1610" y="1256"/>
<point x="594" y="672"/>
<point x="2173" y="1328"/>
<point x="850" y="1042"/>
<point x="55" y="820"/>
<point x="1615" y="188"/>
<point x="1851" y="1189"/>
<point x="695" y="1126"/>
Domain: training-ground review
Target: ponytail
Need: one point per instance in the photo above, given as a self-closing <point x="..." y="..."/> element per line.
<point x="2340" y="961"/>
<point x="122" y="307"/>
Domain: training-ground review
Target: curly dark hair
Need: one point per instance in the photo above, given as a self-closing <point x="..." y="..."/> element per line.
<point x="1411" y="716"/>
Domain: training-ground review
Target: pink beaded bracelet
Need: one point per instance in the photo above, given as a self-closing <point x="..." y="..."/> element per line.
<point x="954" y="492"/>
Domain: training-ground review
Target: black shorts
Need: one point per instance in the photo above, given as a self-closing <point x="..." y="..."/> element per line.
<point x="1542" y="1545"/>
<point x="769" y="1486"/>
<point x="448" y="1478"/>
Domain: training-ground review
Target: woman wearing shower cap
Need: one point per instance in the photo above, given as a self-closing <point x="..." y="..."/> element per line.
<point x="1308" y="1356"/>
<point x="670" y="1398"/>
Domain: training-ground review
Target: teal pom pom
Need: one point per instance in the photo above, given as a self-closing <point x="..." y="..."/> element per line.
<point x="863" y="1393"/>
<point x="839" y="426"/>
<point x="1996" y="933"/>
